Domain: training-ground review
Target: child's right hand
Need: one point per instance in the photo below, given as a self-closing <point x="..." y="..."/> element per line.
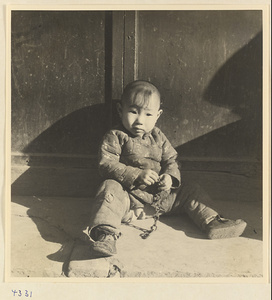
<point x="148" y="177"/>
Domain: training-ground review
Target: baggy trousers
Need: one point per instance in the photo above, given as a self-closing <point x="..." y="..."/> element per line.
<point x="112" y="204"/>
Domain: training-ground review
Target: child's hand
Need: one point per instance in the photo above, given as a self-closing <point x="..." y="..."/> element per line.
<point x="165" y="182"/>
<point x="148" y="177"/>
<point x="139" y="213"/>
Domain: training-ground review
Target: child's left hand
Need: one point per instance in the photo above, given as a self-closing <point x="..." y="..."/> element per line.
<point x="165" y="182"/>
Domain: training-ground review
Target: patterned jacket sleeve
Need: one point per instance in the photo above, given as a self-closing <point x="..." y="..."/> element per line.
<point x="110" y="166"/>
<point x="169" y="163"/>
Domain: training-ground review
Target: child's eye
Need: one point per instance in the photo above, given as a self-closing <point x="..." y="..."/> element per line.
<point x="149" y="115"/>
<point x="133" y="112"/>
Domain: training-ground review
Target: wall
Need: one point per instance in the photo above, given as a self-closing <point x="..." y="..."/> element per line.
<point x="68" y="66"/>
<point x="207" y="65"/>
<point x="58" y="73"/>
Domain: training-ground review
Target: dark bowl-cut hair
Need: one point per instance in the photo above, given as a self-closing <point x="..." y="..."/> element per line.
<point x="140" y="91"/>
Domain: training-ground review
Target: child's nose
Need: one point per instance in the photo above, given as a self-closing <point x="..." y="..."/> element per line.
<point x="140" y="119"/>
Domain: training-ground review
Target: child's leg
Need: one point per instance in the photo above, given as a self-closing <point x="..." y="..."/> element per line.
<point x="111" y="205"/>
<point x="196" y="203"/>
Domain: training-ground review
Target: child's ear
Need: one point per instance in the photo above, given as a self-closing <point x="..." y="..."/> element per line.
<point x="159" y="113"/>
<point x="119" y="109"/>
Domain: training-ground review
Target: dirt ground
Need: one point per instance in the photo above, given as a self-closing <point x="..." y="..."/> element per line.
<point x="48" y="240"/>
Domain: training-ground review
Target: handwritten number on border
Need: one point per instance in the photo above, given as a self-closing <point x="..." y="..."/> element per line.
<point x="20" y="294"/>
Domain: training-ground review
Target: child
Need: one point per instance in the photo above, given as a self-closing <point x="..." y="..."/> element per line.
<point x="139" y="166"/>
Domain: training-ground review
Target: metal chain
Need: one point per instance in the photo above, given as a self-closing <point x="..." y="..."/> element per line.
<point x="146" y="232"/>
<point x="154" y="227"/>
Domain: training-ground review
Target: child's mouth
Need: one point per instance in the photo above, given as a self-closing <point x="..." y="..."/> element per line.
<point x="136" y="129"/>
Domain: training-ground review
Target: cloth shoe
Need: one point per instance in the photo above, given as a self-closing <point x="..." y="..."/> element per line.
<point x="105" y="243"/>
<point x="221" y="228"/>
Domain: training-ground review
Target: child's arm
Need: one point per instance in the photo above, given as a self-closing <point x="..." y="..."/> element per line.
<point x="169" y="165"/>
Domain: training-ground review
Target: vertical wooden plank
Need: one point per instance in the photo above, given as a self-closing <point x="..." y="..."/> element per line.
<point x="57" y="79"/>
<point x="117" y="53"/>
<point x="207" y="65"/>
<point x="136" y="64"/>
<point x="125" y="50"/>
<point x="130" y="69"/>
<point x="108" y="67"/>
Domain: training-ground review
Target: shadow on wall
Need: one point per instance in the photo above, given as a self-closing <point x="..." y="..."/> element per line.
<point x="238" y="84"/>
<point x="238" y="87"/>
<point x="78" y="133"/>
<point x="62" y="160"/>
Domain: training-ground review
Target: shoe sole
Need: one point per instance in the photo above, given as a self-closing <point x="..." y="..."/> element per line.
<point x="227" y="232"/>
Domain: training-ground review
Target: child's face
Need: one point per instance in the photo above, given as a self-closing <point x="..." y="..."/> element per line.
<point x="139" y="118"/>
